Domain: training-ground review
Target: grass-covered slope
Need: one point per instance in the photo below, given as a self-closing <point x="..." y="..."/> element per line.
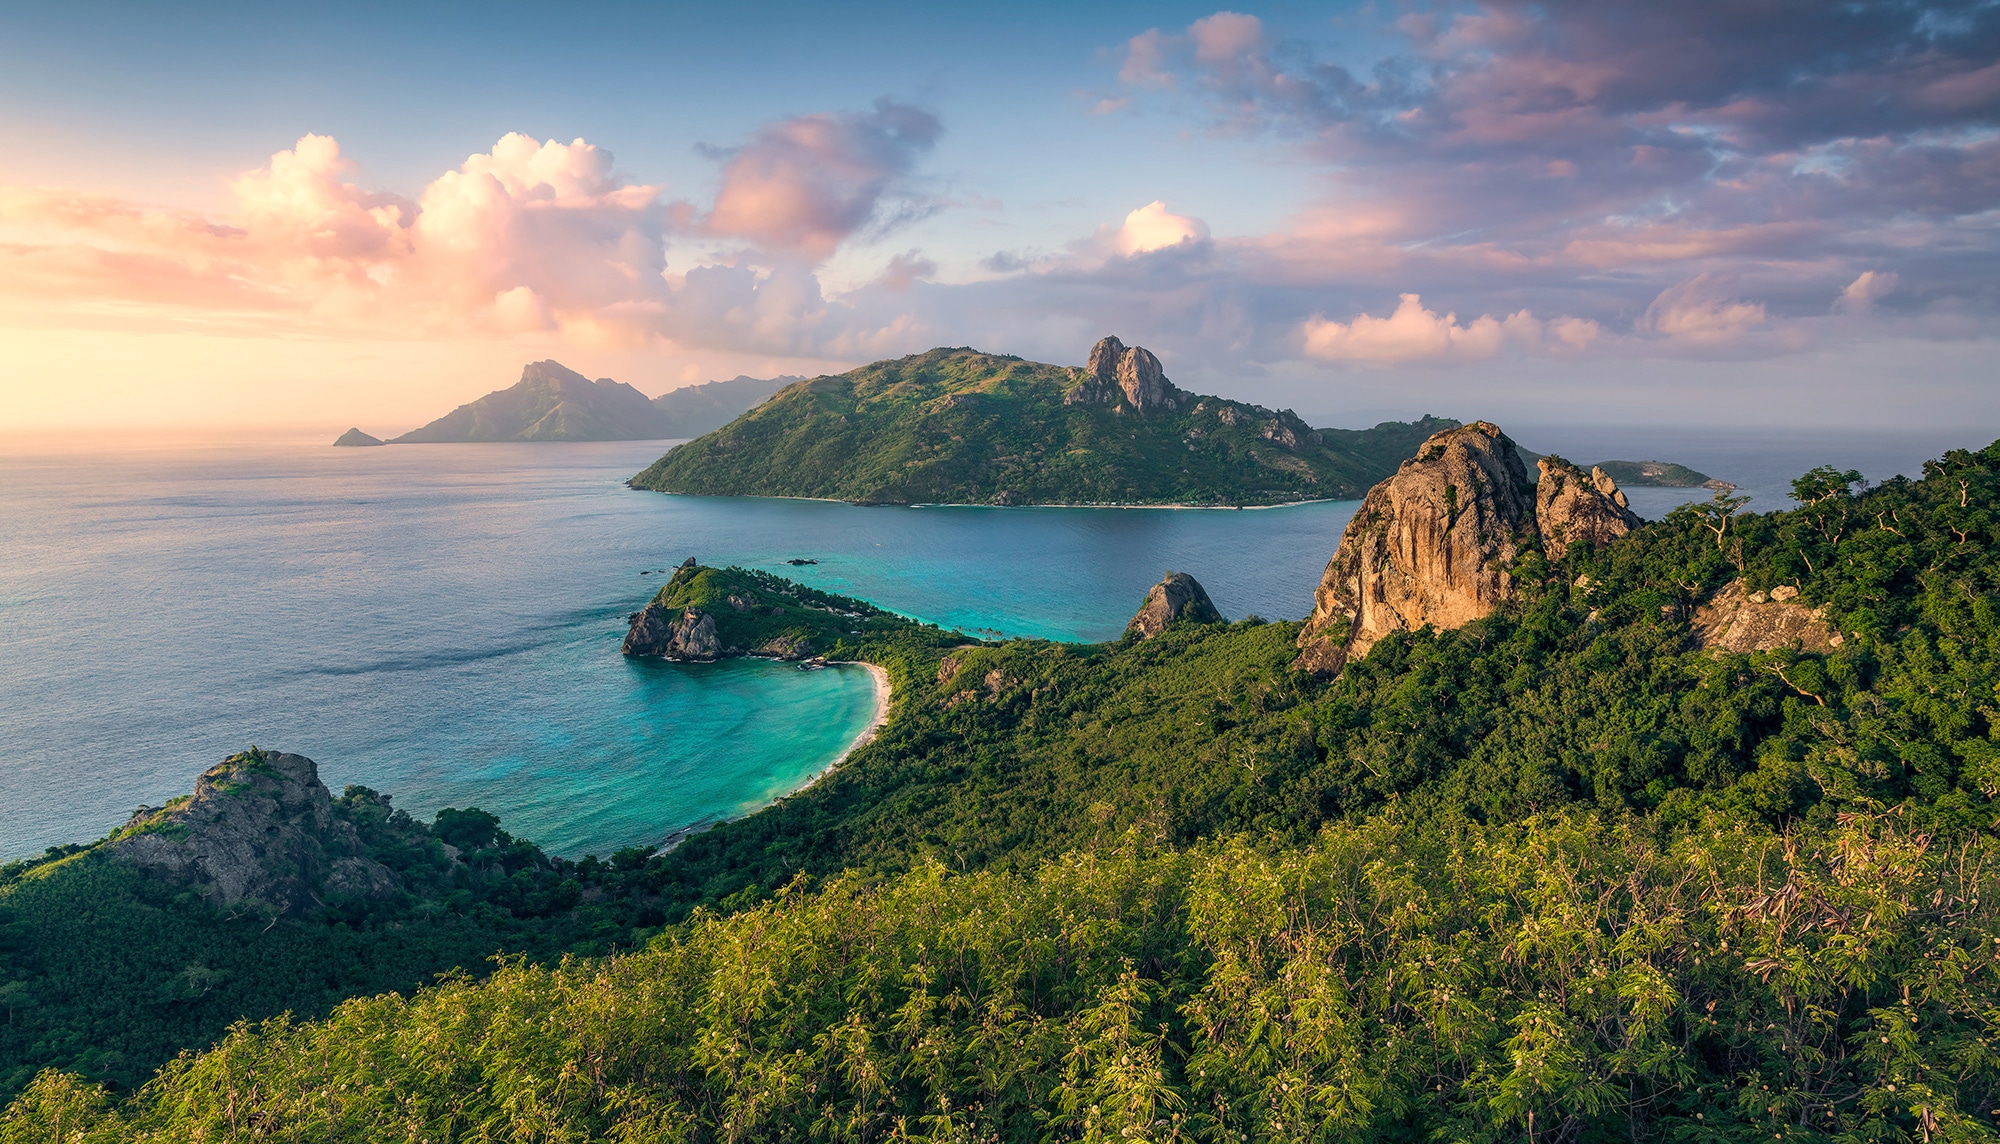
<point x="962" y="427"/>
<point x="1559" y="873"/>
<point x="1653" y="474"/>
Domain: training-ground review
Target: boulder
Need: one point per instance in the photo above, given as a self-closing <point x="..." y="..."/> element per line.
<point x="258" y="830"/>
<point x="1739" y="620"/>
<point x="1430" y="546"/>
<point x="1178" y="597"/>
<point x="1574" y="507"/>
<point x="658" y="631"/>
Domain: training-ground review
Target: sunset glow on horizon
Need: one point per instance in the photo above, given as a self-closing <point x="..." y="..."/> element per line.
<point x="1676" y="214"/>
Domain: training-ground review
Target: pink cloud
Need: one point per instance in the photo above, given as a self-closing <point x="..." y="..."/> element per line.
<point x="1414" y="333"/>
<point x="804" y="185"/>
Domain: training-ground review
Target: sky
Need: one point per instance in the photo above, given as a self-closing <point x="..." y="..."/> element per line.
<point x="1604" y="212"/>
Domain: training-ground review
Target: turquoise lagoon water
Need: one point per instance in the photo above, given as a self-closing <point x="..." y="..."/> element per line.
<point x="442" y="622"/>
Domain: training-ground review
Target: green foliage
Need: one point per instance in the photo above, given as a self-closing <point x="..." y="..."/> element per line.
<point x="1572" y="974"/>
<point x="1559" y="874"/>
<point x="759" y="613"/>
<point x="962" y="427"/>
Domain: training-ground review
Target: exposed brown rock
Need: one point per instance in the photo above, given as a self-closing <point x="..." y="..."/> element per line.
<point x="1429" y="546"/>
<point x="1177" y="597"/>
<point x="1115" y="372"/>
<point x="656" y="631"/>
<point x="1574" y="507"/>
<point x="1738" y="620"/>
<point x="260" y="830"/>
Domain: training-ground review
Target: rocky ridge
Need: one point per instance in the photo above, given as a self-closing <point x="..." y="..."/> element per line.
<point x="1434" y="544"/>
<point x="1574" y="507"/>
<point x="1178" y="596"/>
<point x="1738" y="620"/>
<point x="1117" y="374"/>
<point x="259" y="831"/>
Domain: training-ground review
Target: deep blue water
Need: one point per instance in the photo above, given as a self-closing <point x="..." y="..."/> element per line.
<point x="442" y="622"/>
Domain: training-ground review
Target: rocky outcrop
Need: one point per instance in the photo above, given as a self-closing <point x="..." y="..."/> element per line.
<point x="1739" y="620"/>
<point x="355" y="437"/>
<point x="258" y="831"/>
<point x="1178" y="597"/>
<point x="1115" y="372"/>
<point x="1431" y="545"/>
<point x="684" y="635"/>
<point x="1575" y="507"/>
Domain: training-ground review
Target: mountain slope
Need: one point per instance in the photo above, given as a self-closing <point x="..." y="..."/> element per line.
<point x="550" y="403"/>
<point x="696" y="409"/>
<point x="960" y="426"/>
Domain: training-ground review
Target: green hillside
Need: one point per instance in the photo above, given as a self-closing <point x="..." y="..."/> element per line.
<point x="1558" y="875"/>
<point x="962" y="427"/>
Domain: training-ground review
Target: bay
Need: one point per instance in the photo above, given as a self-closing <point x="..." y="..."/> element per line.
<point x="442" y="622"/>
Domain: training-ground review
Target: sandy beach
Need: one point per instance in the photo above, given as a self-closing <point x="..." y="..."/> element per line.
<point x="867" y="734"/>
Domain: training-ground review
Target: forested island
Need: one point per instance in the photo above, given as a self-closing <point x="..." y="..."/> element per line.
<point x="957" y="426"/>
<point x="1608" y="829"/>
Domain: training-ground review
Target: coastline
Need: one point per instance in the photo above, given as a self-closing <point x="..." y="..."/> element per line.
<point x="954" y="504"/>
<point x="883" y="693"/>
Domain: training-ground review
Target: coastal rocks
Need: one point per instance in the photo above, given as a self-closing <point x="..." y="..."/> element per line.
<point x="1177" y="597"/>
<point x="656" y="630"/>
<point x="1574" y="507"/>
<point x="1116" y="372"/>
<point x="1738" y="620"/>
<point x="260" y="830"/>
<point x="1429" y="546"/>
<point x="355" y="437"/>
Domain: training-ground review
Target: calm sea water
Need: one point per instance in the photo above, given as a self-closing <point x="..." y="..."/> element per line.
<point x="442" y="622"/>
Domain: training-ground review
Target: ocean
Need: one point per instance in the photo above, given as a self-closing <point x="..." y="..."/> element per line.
<point x="441" y="622"/>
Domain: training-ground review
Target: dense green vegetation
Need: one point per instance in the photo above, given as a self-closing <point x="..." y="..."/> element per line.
<point x="767" y="615"/>
<point x="1556" y="875"/>
<point x="955" y="426"/>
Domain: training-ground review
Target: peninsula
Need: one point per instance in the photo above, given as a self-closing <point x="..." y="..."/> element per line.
<point x="957" y="426"/>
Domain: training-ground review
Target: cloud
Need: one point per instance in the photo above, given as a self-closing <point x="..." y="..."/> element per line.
<point x="1702" y="311"/>
<point x="1153" y="227"/>
<point x="905" y="269"/>
<point x="804" y="185"/>
<point x="1860" y="295"/>
<point x="1414" y="333"/>
<point x="1589" y="157"/>
<point x="531" y="236"/>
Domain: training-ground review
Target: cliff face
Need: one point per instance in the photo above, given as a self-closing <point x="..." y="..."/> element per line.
<point x="1575" y="507"/>
<point x="1177" y="597"/>
<point x="1115" y="371"/>
<point x="1430" y="545"/>
<point x="259" y="829"/>
<point x="680" y="634"/>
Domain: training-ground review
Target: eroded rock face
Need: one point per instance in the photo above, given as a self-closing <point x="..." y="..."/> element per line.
<point x="1115" y="371"/>
<point x="1738" y="620"/>
<point x="658" y="631"/>
<point x="1429" y="546"/>
<point x="1177" y="597"/>
<point x="259" y="829"/>
<point x="1575" y="507"/>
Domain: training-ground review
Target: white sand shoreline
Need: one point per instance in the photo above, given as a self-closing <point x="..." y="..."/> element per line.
<point x="883" y="693"/>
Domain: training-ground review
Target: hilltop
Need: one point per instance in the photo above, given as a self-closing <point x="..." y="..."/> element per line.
<point x="552" y="402"/>
<point x="957" y="426"/>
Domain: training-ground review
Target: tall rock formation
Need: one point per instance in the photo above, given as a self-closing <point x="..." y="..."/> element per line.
<point x="1575" y="507"/>
<point x="259" y="829"/>
<point x="1430" y="545"/>
<point x="1177" y="597"/>
<point x="1116" y="372"/>
<point x="658" y="630"/>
